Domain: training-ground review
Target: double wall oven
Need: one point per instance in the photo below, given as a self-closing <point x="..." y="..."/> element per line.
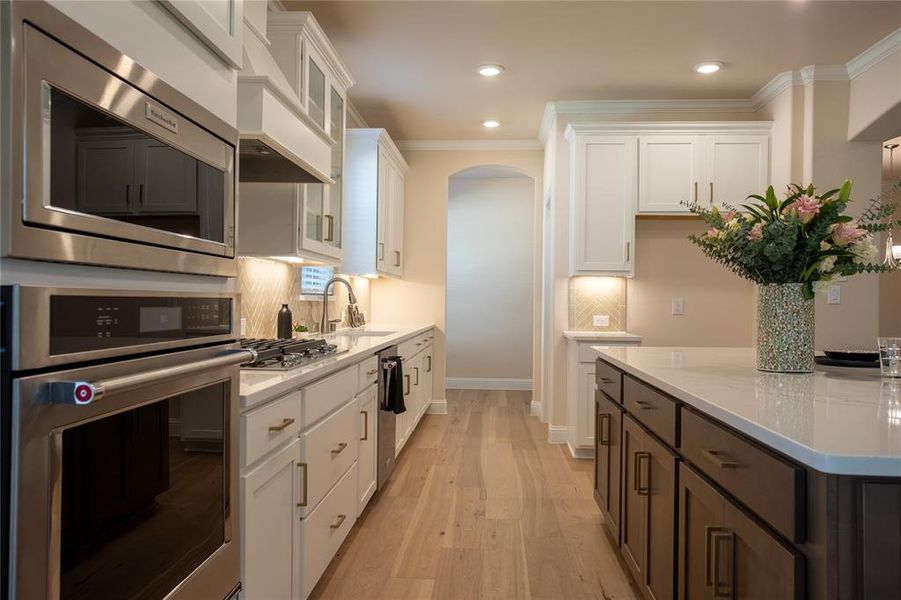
<point x="107" y="164"/>
<point x="120" y="444"/>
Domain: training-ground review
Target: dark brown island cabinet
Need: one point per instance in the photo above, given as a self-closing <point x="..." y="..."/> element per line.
<point x="701" y="511"/>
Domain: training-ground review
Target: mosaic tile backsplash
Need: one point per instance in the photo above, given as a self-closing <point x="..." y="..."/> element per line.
<point x="267" y="284"/>
<point x="589" y="296"/>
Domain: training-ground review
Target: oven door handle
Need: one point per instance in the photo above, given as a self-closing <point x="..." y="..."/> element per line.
<point x="85" y="392"/>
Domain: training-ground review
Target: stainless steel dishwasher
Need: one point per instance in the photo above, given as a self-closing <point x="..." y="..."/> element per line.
<point x="388" y="360"/>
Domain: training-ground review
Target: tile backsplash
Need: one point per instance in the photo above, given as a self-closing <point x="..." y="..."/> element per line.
<point x="267" y="284"/>
<point x="589" y="296"/>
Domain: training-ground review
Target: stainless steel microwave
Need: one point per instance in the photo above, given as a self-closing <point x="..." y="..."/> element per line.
<point x="107" y="164"/>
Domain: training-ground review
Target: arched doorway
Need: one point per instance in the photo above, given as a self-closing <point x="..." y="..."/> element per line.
<point x="490" y="279"/>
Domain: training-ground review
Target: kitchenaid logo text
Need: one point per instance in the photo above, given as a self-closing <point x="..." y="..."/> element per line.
<point x="161" y="117"/>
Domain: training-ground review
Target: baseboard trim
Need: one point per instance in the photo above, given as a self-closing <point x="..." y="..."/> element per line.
<point x="437" y="407"/>
<point x="557" y="434"/>
<point x="488" y="383"/>
<point x="580" y="452"/>
<point x="535" y="409"/>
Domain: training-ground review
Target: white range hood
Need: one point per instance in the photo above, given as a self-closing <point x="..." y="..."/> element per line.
<point x="279" y="143"/>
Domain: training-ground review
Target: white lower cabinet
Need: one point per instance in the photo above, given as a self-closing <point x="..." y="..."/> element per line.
<point x="270" y="527"/>
<point x="367" y="453"/>
<point x="324" y="529"/>
<point x="417" y="386"/>
<point x="328" y="449"/>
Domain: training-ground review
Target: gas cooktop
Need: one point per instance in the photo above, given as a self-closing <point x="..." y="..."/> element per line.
<point x="285" y="354"/>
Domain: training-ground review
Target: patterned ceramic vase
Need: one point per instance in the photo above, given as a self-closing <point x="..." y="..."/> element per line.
<point x="784" y="329"/>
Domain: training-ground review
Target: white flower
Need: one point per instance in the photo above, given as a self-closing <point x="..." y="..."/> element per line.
<point x="827" y="264"/>
<point x="864" y="250"/>
<point x="822" y="286"/>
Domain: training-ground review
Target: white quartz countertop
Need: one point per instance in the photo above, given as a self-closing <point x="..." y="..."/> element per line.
<point x="602" y="336"/>
<point x="836" y="420"/>
<point x="260" y="386"/>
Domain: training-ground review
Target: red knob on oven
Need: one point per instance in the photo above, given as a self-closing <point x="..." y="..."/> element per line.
<point x="84" y="393"/>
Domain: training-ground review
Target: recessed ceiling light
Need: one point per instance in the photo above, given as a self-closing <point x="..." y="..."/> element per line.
<point x="491" y="70"/>
<point x="491" y="123"/>
<point x="706" y="68"/>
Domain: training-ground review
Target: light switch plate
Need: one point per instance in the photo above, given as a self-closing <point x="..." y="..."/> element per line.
<point x="678" y="306"/>
<point x="834" y="296"/>
<point x="601" y="320"/>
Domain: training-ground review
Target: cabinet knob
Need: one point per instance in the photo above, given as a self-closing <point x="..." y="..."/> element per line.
<point x="340" y="448"/>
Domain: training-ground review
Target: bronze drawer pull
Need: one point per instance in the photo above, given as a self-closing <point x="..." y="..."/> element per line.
<point x="645" y="405"/>
<point x="606" y="380"/>
<point x="715" y="538"/>
<point x="365" y="414"/>
<point x="340" y="448"/>
<point x="406" y="385"/>
<point x="717" y="458"/>
<point x="339" y="522"/>
<point x="284" y="424"/>
<point x="305" y="493"/>
<point x="642" y="490"/>
<point x="604" y="429"/>
<point x="372" y="371"/>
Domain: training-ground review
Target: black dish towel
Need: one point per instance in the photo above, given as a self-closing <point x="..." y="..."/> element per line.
<point x="394" y="386"/>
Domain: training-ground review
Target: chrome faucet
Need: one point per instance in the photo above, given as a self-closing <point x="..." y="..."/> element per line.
<point x="355" y="316"/>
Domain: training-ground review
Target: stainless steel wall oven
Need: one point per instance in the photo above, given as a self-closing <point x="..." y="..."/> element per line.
<point x="120" y="415"/>
<point x="109" y="164"/>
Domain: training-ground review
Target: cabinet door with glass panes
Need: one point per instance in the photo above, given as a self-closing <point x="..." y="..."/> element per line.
<point x="323" y="204"/>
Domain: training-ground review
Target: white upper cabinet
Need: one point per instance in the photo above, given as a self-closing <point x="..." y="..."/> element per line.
<point x="374" y="202"/>
<point x="670" y="171"/>
<point x="603" y="191"/>
<point x="737" y="166"/>
<point x="218" y="24"/>
<point x="619" y="170"/>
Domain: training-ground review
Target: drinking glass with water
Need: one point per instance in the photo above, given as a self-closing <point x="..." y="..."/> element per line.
<point x="890" y="356"/>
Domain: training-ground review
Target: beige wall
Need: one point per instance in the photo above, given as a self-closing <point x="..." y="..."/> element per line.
<point x="718" y="305"/>
<point x="420" y="296"/>
<point x="875" y="111"/>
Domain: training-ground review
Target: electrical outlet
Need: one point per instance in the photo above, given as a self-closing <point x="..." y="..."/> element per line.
<point x="834" y="296"/>
<point x="678" y="306"/>
<point x="601" y="320"/>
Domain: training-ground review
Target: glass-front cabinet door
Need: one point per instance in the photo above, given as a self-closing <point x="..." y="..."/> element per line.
<point x="321" y="229"/>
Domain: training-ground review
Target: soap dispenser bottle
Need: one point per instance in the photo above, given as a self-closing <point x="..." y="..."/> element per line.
<point x="285" y="323"/>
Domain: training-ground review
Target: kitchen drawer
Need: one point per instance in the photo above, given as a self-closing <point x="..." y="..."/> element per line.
<point x="409" y="348"/>
<point x="265" y="428"/>
<point x="609" y="380"/>
<point x="767" y="484"/>
<point x="368" y="373"/>
<point x="654" y="410"/>
<point x="324" y="530"/>
<point x="328" y="449"/>
<point x="324" y="396"/>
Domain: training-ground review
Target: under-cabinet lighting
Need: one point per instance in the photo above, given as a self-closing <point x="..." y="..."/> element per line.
<point x="708" y="67"/>
<point x="490" y="70"/>
<point x="491" y="124"/>
<point x="288" y="259"/>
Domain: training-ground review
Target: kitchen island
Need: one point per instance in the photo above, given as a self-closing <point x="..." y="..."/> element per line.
<point x="717" y="480"/>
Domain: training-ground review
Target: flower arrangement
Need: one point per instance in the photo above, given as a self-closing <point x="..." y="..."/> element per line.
<point x="804" y="238"/>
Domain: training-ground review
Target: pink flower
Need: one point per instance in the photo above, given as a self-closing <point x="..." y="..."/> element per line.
<point x="728" y="216"/>
<point x="713" y="232"/>
<point x="844" y="234"/>
<point x="806" y="207"/>
<point x="756" y="232"/>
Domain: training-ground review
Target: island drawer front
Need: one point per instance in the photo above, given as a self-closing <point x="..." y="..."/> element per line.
<point x="325" y="529"/>
<point x="324" y="396"/>
<point x="368" y="374"/>
<point x="609" y="380"/>
<point x="768" y="485"/>
<point x="654" y="410"/>
<point x="328" y="450"/>
<point x="265" y="428"/>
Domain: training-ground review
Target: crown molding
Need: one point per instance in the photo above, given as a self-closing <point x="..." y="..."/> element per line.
<point x="547" y="121"/>
<point x="813" y="73"/>
<point x="774" y="87"/>
<point x="874" y="54"/>
<point x="639" y="127"/>
<point x="382" y="137"/>
<point x="469" y="145"/>
<point x="355" y="114"/>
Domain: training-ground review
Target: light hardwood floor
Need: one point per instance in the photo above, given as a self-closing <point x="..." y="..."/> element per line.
<point x="480" y="506"/>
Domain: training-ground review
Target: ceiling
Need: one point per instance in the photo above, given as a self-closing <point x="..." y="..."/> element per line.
<point x="415" y="62"/>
